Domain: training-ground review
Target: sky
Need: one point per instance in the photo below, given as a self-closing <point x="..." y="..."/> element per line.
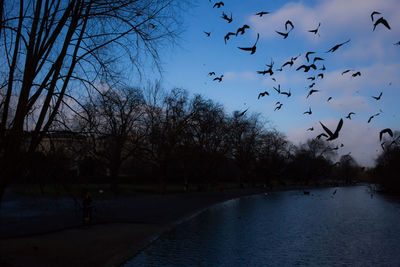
<point x="372" y="53"/>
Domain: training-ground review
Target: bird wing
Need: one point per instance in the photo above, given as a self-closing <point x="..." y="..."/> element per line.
<point x="302" y="66"/>
<point x="326" y="129"/>
<point x="281" y="33"/>
<point x="346" y="71"/>
<point x="289" y="23"/>
<point x="245" y="48"/>
<point x="373" y="13"/>
<point x="388" y="131"/>
<point x="258" y="37"/>
<point x="340" y="124"/>
<point x="307" y="56"/>
<point x="383" y="21"/>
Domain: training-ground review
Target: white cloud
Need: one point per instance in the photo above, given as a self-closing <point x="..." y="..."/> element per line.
<point x="336" y="17"/>
<point x="240" y="76"/>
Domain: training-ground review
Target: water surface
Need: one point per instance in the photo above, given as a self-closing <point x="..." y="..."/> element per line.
<point x="350" y="228"/>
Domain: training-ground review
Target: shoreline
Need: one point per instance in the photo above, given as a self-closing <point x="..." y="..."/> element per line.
<point x="115" y="243"/>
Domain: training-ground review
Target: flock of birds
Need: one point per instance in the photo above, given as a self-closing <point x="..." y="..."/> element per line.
<point x="312" y="60"/>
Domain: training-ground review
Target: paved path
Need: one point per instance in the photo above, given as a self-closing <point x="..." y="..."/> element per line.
<point x="24" y="216"/>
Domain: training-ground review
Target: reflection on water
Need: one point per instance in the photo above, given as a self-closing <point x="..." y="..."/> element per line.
<point x="286" y="229"/>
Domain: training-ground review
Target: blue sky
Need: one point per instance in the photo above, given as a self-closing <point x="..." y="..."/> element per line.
<point x="373" y="53"/>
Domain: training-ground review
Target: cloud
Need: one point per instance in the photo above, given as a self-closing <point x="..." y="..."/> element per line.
<point x="334" y="15"/>
<point x="240" y="76"/>
<point x="349" y="103"/>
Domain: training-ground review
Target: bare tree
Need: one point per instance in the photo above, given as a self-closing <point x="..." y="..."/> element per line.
<point x="52" y="49"/>
<point x="166" y="123"/>
<point x="207" y="137"/>
<point x="245" y="142"/>
<point x="112" y="125"/>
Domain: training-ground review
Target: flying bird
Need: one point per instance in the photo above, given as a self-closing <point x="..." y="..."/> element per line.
<point x="349" y="115"/>
<point x="336" y="47"/>
<point x="383" y="21"/>
<point x="311" y="78"/>
<point x="225" y="17"/>
<point x="262" y="94"/>
<point x="307" y="68"/>
<point x="370" y="118"/>
<point x="253" y="48"/>
<point x="311" y="85"/>
<point x="242" y="29"/>
<point x="311" y="92"/>
<point x="262" y="13"/>
<point x="387" y="130"/>
<point x="218" y="5"/>
<point x="219" y="79"/>
<point x="377" y="97"/>
<point x="288" y="22"/>
<point x="227" y="36"/>
<point x="315" y="31"/>
<point x="321" y="75"/>
<point x="309" y="112"/>
<point x="211" y="73"/>
<point x="307" y="54"/>
<point x="398" y="43"/>
<point x="208" y="34"/>
<point x="278" y="107"/>
<point x="356" y="74"/>
<point x="323" y="67"/>
<point x="333" y="136"/>
<point x="374" y="13"/>
<point x="329" y="99"/>
<point x="310" y="129"/>
<point x="266" y="71"/>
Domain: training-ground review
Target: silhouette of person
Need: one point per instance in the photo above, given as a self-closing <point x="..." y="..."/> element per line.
<point x="86" y="206"/>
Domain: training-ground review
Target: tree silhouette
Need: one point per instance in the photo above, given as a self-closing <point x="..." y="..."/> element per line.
<point x="54" y="50"/>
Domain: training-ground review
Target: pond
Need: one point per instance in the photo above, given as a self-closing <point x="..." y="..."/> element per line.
<point x="350" y="227"/>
